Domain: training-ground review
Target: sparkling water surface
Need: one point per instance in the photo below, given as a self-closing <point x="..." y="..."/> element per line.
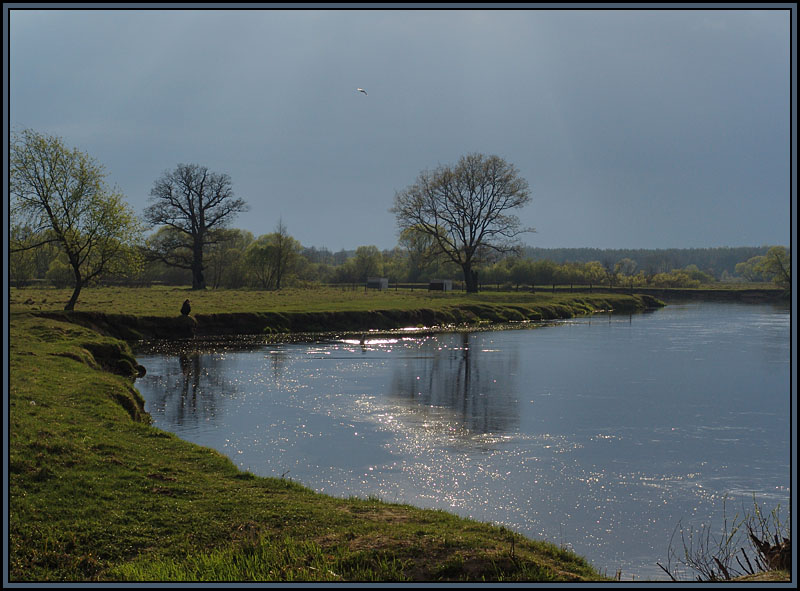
<point x="601" y="434"/>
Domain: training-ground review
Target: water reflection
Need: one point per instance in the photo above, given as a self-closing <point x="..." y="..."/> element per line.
<point x="190" y="368"/>
<point x="278" y="360"/>
<point x="185" y="387"/>
<point x="477" y="384"/>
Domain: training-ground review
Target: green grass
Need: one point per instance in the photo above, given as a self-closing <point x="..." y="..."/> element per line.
<point x="98" y="494"/>
<point x="135" y="314"/>
<point x="166" y="301"/>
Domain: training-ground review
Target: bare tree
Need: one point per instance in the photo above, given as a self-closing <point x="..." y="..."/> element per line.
<point x="465" y="209"/>
<point x="196" y="203"/>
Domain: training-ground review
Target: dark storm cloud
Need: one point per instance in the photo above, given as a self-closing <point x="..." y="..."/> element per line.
<point x="634" y="128"/>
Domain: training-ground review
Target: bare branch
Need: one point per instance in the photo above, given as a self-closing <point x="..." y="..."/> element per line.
<point x="463" y="208"/>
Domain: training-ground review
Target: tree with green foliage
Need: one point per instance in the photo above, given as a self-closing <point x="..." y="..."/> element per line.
<point x="421" y="251"/>
<point x="748" y="269"/>
<point x="695" y="273"/>
<point x="625" y="267"/>
<point x="261" y="260"/>
<point x="59" y="274"/>
<point x="287" y="251"/>
<point x="522" y="272"/>
<point x="368" y="262"/>
<point x="225" y="265"/>
<point x="594" y="273"/>
<point x="197" y="203"/>
<point x="466" y="209"/>
<point x="21" y="262"/>
<point x="59" y="196"/>
<point x="273" y="257"/>
<point x="543" y="272"/>
<point x="776" y="266"/>
<point x="395" y="265"/>
<point x="497" y="273"/>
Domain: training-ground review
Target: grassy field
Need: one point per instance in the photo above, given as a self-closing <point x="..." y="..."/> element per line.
<point x="136" y="314"/>
<point x="97" y="494"/>
<point x="167" y="301"/>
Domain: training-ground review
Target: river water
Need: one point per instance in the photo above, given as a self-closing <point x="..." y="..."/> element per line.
<point x="600" y="434"/>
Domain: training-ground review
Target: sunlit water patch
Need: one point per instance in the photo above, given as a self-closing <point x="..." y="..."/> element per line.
<point x="600" y="434"/>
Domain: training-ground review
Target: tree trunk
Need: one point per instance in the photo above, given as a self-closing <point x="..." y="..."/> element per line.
<point x="74" y="298"/>
<point x="78" y="285"/>
<point x="470" y="278"/>
<point x="198" y="279"/>
<point x="75" y="293"/>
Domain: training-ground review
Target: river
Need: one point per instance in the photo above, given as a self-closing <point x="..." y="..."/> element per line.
<point x="601" y="434"/>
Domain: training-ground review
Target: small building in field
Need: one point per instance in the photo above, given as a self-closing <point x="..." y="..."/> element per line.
<point x="440" y="285"/>
<point x="378" y="283"/>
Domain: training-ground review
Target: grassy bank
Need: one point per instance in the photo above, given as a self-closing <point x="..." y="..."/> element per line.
<point x="166" y="301"/>
<point x="134" y="314"/>
<point x="96" y="493"/>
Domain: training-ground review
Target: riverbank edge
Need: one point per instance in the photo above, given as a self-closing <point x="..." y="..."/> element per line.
<point x="44" y="448"/>
<point x="132" y="328"/>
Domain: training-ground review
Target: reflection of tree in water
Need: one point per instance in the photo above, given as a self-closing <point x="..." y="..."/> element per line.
<point x="278" y="360"/>
<point x="480" y="387"/>
<point x="188" y="392"/>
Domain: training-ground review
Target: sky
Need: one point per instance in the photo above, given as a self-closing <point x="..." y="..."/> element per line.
<point x="634" y="128"/>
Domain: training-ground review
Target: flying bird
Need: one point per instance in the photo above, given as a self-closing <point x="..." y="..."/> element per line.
<point x="361" y="90"/>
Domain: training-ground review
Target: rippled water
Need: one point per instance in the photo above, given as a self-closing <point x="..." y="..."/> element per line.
<point x="601" y="434"/>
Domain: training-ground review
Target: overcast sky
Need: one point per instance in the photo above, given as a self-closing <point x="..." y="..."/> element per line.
<point x="634" y="128"/>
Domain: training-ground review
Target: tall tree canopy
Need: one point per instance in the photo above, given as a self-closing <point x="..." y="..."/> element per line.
<point x="59" y="196"/>
<point x="196" y="203"/>
<point x="466" y="210"/>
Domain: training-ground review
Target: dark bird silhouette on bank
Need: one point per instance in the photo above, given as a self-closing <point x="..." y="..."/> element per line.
<point x="186" y="308"/>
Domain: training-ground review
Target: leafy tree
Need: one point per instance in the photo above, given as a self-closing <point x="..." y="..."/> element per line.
<point x="543" y="272"/>
<point x="59" y="274"/>
<point x="572" y="273"/>
<point x="368" y="262"/>
<point x="395" y="264"/>
<point x="675" y="278"/>
<point x="287" y="251"/>
<point x="497" y="273"/>
<point x="225" y="258"/>
<point x="522" y="272"/>
<point x="346" y="272"/>
<point x="261" y="259"/>
<point x="421" y="251"/>
<point x="776" y="266"/>
<point x="197" y="203"/>
<point x="625" y="267"/>
<point x="272" y="257"/>
<point x="21" y="263"/>
<point x="60" y="197"/>
<point x="466" y="210"/>
<point x="594" y="273"/>
<point x="695" y="273"/>
<point x="749" y="269"/>
<point x="611" y="273"/>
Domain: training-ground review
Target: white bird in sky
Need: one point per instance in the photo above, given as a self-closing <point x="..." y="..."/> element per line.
<point x="361" y="90"/>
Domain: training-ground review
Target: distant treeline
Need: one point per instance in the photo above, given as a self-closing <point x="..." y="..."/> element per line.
<point x="717" y="262"/>
<point x="238" y="259"/>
